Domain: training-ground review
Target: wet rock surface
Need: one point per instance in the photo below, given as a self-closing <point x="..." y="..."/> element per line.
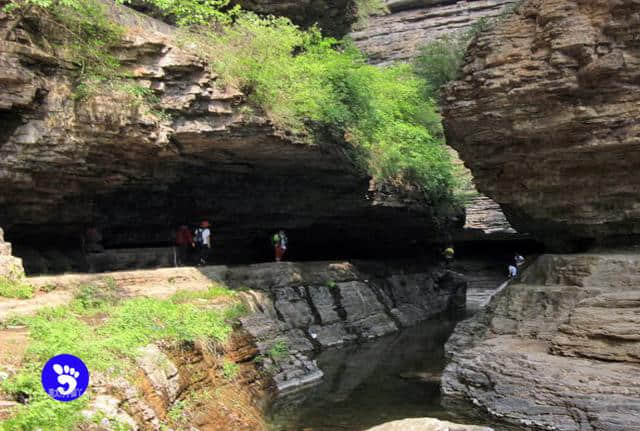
<point x="300" y="308"/>
<point x="545" y="116"/>
<point x="557" y="350"/>
<point x="399" y="35"/>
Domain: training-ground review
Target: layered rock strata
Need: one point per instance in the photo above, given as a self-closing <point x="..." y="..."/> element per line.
<point x="399" y="35"/>
<point x="545" y="115"/>
<point x="308" y="307"/>
<point x="558" y="350"/>
<point x="10" y="266"/>
<point x="108" y="161"/>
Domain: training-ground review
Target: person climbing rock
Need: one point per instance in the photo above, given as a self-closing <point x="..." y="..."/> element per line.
<point x="184" y="244"/>
<point x="513" y="271"/>
<point x="448" y="254"/>
<point x="202" y="242"/>
<point x="279" y="241"/>
<point x="519" y="259"/>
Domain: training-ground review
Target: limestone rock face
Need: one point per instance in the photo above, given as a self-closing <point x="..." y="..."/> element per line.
<point x="68" y="163"/>
<point x="411" y="24"/>
<point x="307" y="306"/>
<point x="545" y="115"/>
<point x="559" y="350"/>
<point x="10" y="266"/>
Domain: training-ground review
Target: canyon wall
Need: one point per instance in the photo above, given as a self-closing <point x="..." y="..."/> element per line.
<point x="68" y="163"/>
<point x="398" y="35"/>
<point x="545" y="115"/>
<point x="558" y="349"/>
<point x="309" y="307"/>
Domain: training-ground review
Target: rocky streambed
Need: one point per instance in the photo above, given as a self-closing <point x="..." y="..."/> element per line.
<point x="300" y="309"/>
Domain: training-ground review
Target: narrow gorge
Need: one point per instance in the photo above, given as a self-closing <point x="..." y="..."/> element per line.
<point x="408" y="148"/>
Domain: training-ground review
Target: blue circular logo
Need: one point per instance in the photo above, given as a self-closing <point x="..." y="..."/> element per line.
<point x="65" y="377"/>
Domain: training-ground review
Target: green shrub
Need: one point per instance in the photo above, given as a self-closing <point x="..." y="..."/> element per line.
<point x="230" y="369"/>
<point x="107" y="348"/>
<point x="440" y="60"/>
<point x="96" y="296"/>
<point x="278" y="351"/>
<point x="11" y="287"/>
<point x="315" y="86"/>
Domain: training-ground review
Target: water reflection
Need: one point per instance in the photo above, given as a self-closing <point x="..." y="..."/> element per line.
<point x="391" y="378"/>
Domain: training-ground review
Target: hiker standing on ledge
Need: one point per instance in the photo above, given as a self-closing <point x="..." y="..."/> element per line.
<point x="279" y="240"/>
<point x="448" y="254"/>
<point x="202" y="242"/>
<point x="184" y="242"/>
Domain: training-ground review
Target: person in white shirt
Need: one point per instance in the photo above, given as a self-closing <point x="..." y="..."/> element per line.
<point x="202" y="242"/>
<point x="519" y="259"/>
<point x="513" y="271"/>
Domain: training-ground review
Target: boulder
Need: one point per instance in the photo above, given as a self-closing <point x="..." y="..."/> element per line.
<point x="426" y="424"/>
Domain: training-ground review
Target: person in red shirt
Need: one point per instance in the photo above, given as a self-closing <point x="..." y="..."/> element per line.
<point x="184" y="242"/>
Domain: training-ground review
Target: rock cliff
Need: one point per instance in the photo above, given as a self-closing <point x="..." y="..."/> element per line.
<point x="545" y="115"/>
<point x="67" y="163"/>
<point x="10" y="266"/>
<point x="558" y="350"/>
<point x="413" y="23"/>
<point x="312" y="306"/>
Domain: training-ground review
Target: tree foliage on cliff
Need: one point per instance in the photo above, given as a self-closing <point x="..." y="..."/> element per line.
<point x="305" y="82"/>
<point x="308" y="83"/>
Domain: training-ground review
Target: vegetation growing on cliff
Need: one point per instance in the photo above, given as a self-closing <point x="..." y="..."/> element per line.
<point x="106" y="347"/>
<point x="309" y="84"/>
<point x="439" y="61"/>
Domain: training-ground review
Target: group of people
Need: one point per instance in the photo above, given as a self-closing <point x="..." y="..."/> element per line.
<point x="513" y="269"/>
<point x="195" y="246"/>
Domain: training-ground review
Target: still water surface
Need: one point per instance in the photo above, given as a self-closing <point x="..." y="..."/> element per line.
<point x="394" y="377"/>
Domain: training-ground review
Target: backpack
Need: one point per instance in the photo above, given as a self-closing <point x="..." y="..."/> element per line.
<point x="199" y="238"/>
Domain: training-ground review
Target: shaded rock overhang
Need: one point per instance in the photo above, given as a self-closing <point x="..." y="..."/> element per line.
<point x="67" y="164"/>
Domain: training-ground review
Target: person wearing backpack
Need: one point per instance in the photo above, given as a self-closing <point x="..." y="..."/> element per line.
<point x="279" y="241"/>
<point x="202" y="242"/>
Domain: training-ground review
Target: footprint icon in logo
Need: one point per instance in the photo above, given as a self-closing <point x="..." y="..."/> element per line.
<point x="66" y="376"/>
